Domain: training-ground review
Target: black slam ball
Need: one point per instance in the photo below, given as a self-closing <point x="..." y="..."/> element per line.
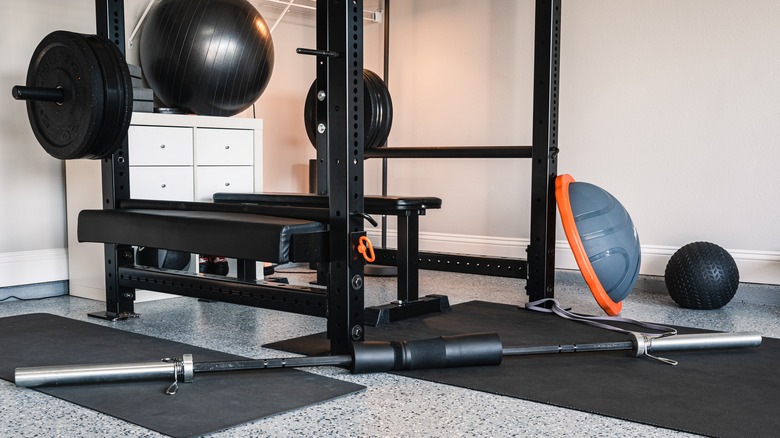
<point x="702" y="275"/>
<point x="208" y="57"/>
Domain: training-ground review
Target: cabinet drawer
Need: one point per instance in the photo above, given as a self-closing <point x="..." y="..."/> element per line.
<point x="225" y="147"/>
<point x="160" y="146"/>
<point x="165" y="183"/>
<point x="216" y="179"/>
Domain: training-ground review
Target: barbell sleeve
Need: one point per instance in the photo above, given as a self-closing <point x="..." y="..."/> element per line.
<point x="643" y="345"/>
<point x="20" y="92"/>
<point x="173" y="369"/>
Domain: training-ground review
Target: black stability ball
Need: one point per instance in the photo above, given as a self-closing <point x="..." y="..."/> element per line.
<point x="702" y="275"/>
<point x="209" y="57"/>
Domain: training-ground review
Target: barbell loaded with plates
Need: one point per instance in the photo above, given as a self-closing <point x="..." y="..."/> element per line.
<point x="377" y="115"/>
<point x="79" y="95"/>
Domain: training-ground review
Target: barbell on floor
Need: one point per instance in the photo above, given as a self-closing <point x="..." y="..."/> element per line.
<point x="480" y="349"/>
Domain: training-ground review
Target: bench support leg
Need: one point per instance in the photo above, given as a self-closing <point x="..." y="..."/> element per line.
<point x="409" y="303"/>
<point x="247" y="270"/>
<point x="408" y="248"/>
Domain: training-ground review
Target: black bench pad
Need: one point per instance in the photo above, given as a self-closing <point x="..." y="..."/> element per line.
<point x="389" y="205"/>
<point x="239" y="235"/>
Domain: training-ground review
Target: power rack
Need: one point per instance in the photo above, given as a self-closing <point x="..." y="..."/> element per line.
<point x="339" y="58"/>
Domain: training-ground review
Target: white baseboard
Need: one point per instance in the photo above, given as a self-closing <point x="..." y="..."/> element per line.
<point x="43" y="266"/>
<point x="31" y="267"/>
<point x="754" y="266"/>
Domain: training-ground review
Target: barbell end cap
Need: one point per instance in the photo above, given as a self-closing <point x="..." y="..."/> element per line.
<point x="189" y="368"/>
<point x="639" y="344"/>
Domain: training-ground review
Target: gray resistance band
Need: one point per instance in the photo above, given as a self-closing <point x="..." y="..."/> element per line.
<point x="600" y="321"/>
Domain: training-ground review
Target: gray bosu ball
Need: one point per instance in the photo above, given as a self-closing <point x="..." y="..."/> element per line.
<point x="603" y="239"/>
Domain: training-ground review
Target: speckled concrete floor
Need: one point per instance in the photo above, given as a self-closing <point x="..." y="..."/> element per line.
<point x="392" y="405"/>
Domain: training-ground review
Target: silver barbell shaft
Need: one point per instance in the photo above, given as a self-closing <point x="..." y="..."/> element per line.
<point x="71" y="374"/>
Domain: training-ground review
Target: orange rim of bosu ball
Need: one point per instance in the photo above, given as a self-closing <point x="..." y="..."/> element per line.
<point x="580" y="256"/>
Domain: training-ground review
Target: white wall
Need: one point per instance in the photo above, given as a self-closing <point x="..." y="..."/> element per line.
<point x="461" y="74"/>
<point x="672" y="106"/>
<point x="669" y="105"/>
<point x="32" y="192"/>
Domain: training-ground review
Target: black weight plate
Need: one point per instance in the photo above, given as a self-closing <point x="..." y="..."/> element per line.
<point x="386" y="118"/>
<point x="118" y="97"/>
<point x="105" y="142"/>
<point x="64" y="60"/>
<point x="384" y="109"/>
<point x="377" y="111"/>
<point x="310" y="114"/>
<point x="372" y="108"/>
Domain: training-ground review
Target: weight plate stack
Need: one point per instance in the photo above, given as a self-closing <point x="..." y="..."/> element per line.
<point x="118" y="95"/>
<point x="377" y="114"/>
<point x="380" y="108"/>
<point x="64" y="60"/>
<point x="92" y="119"/>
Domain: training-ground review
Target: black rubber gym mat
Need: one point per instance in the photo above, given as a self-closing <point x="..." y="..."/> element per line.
<point x="214" y="401"/>
<point x="729" y="393"/>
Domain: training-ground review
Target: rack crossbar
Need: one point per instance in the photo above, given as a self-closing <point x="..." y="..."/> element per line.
<point x="451" y="152"/>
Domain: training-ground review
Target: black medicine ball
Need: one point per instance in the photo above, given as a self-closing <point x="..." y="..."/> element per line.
<point x="702" y="275"/>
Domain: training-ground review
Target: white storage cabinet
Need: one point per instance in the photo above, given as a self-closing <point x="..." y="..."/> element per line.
<point x="172" y="157"/>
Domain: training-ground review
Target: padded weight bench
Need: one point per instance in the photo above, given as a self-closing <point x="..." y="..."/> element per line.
<point x="241" y="232"/>
<point x="408" y="211"/>
<point x="235" y="234"/>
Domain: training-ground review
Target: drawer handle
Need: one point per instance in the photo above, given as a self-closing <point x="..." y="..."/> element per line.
<point x="162" y="146"/>
<point x="227" y="184"/>
<point x="227" y="146"/>
<point x="163" y="185"/>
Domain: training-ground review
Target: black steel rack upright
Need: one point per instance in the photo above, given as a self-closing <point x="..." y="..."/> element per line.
<point x="544" y="167"/>
<point x="340" y="130"/>
<point x="115" y="174"/>
<point x="340" y="114"/>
